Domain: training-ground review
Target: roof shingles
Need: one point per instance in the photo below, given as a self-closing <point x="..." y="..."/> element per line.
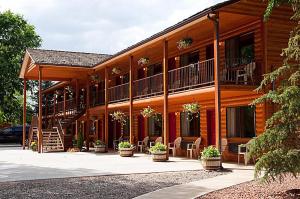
<point x="65" y="58"/>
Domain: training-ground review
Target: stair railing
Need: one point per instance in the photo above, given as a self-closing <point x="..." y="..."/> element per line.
<point x="34" y="122"/>
<point x="60" y="132"/>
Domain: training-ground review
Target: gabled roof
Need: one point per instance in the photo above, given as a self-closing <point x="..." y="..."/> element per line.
<point x="66" y="58"/>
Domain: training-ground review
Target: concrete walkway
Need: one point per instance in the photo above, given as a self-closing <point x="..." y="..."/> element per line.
<point x="238" y="175"/>
<point x="17" y="164"/>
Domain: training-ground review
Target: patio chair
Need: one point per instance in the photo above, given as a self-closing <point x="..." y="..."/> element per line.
<point x="193" y="148"/>
<point x="246" y="72"/>
<point x="243" y="149"/>
<point x="159" y="139"/>
<point x="175" y="145"/>
<point x="142" y="145"/>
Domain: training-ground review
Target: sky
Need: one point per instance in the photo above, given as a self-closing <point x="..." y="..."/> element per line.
<point x="101" y="26"/>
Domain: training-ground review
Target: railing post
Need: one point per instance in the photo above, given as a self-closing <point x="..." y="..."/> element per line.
<point x="77" y="94"/>
<point x="24" y="114"/>
<point x="131" y="136"/>
<point x="64" y="108"/>
<point x="40" y="135"/>
<point x="165" y="83"/>
<point x="106" y="108"/>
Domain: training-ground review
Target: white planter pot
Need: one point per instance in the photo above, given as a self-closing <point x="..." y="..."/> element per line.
<point x="100" y="149"/>
<point x="160" y="156"/>
<point x="126" y="152"/>
<point x="211" y="163"/>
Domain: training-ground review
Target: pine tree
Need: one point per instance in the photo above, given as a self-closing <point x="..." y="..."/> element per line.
<point x="278" y="148"/>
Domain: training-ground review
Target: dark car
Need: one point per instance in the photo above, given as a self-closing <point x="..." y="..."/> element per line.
<point x="13" y="134"/>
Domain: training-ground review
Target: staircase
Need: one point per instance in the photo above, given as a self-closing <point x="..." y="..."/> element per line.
<point x="52" y="140"/>
<point x="33" y="131"/>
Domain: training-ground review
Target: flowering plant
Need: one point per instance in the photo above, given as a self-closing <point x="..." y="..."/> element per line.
<point x="191" y="109"/>
<point x="120" y="117"/>
<point x="116" y="71"/>
<point x="184" y="43"/>
<point x="147" y="112"/>
<point x="143" y="61"/>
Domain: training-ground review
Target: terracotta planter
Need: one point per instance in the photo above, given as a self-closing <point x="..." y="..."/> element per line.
<point x="211" y="163"/>
<point x="159" y="156"/>
<point x="100" y="149"/>
<point x="126" y="152"/>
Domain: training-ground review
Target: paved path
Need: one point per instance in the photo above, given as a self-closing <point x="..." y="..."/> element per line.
<point x="17" y="164"/>
<point x="239" y="175"/>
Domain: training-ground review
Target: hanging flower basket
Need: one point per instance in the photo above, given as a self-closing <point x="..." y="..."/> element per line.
<point x="184" y="43"/>
<point x="116" y="71"/>
<point x="148" y="112"/>
<point x="191" y="109"/>
<point x="120" y="117"/>
<point x="143" y="61"/>
<point x="95" y="78"/>
<point x="69" y="91"/>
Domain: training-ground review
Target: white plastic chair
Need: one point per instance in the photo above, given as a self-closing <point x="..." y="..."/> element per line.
<point x="175" y="145"/>
<point x="143" y="144"/>
<point x="195" y="147"/>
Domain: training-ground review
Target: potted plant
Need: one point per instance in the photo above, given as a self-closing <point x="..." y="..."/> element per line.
<point x="211" y="158"/>
<point x="116" y="71"/>
<point x="143" y="61"/>
<point x="100" y="147"/>
<point x="147" y="112"/>
<point x="125" y="149"/>
<point x="33" y="146"/>
<point x="184" y="43"/>
<point x="159" y="152"/>
<point x="192" y="110"/>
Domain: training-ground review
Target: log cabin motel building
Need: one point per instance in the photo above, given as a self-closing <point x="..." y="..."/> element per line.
<point x="228" y="47"/>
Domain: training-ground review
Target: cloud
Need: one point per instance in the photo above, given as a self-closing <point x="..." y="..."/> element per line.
<point x="105" y="26"/>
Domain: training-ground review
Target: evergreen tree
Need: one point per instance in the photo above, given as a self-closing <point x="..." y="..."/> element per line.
<point x="278" y="148"/>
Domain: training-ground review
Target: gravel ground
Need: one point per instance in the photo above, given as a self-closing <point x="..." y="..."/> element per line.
<point x="259" y="190"/>
<point x="118" y="186"/>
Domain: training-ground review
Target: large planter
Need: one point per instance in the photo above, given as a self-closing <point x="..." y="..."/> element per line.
<point x="159" y="156"/>
<point x="211" y="163"/>
<point x="100" y="149"/>
<point x="126" y="152"/>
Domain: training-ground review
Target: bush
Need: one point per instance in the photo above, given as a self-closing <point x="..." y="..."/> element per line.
<point x="158" y="147"/>
<point x="33" y="146"/>
<point x="210" y="152"/>
<point x="99" y="143"/>
<point x="80" y="140"/>
<point x="124" y="145"/>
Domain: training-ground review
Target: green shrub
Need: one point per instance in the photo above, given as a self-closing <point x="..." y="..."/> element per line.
<point x="210" y="152"/>
<point x="158" y="147"/>
<point x="80" y="140"/>
<point x="99" y="143"/>
<point x="33" y="146"/>
<point x="124" y="145"/>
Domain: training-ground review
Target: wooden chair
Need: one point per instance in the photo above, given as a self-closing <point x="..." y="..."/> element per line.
<point x="175" y="145"/>
<point x="159" y="139"/>
<point x="243" y="149"/>
<point x="193" y="148"/>
<point x="142" y="145"/>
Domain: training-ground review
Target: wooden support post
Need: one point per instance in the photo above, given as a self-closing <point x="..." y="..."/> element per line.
<point x="76" y="129"/>
<point x="87" y="115"/>
<point x="131" y="134"/>
<point x="24" y="114"/>
<point x="215" y="19"/>
<point x="40" y="134"/>
<point x="64" y="108"/>
<point x="106" y="108"/>
<point x="77" y="93"/>
<point x="166" y="108"/>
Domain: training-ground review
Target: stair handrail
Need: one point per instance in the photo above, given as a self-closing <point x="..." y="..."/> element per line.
<point x="60" y="132"/>
<point x="34" y="121"/>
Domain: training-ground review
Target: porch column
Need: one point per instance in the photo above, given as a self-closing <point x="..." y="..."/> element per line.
<point x="40" y="135"/>
<point x="24" y="114"/>
<point x="54" y="105"/>
<point x="65" y="96"/>
<point x="215" y="19"/>
<point x="76" y="93"/>
<point x="131" y="135"/>
<point x="166" y="108"/>
<point x="87" y="115"/>
<point x="106" y="108"/>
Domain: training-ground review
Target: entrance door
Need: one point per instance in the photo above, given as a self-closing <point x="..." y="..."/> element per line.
<point x="211" y="127"/>
<point x="141" y="128"/>
<point x="172" y="127"/>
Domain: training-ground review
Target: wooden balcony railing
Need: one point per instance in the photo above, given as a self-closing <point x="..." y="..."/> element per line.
<point x="240" y="71"/>
<point x="148" y="86"/>
<point x="192" y="76"/>
<point x="118" y="93"/>
<point x="97" y="98"/>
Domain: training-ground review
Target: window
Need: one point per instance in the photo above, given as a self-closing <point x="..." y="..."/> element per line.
<point x="189" y="58"/>
<point x="239" y="50"/>
<point x="154" y="69"/>
<point x="240" y="122"/>
<point x="189" y="127"/>
<point x="155" y="125"/>
<point x="210" y="51"/>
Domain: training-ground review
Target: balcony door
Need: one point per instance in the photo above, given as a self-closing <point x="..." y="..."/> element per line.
<point x="211" y="127"/>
